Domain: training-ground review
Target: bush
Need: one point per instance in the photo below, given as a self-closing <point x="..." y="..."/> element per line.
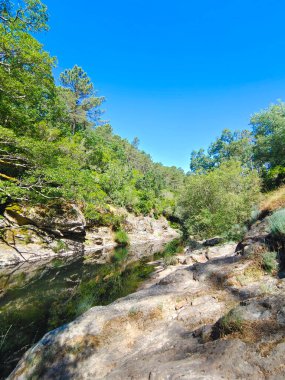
<point x="170" y="250"/>
<point x="236" y="233"/>
<point x="170" y="260"/>
<point x="121" y="237"/>
<point x="231" y="322"/>
<point x="173" y="247"/>
<point x="277" y="223"/>
<point x="214" y="202"/>
<point x="269" y="262"/>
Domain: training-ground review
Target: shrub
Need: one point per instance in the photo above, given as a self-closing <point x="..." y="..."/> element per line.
<point x="214" y="202"/>
<point x="236" y="233"/>
<point x="170" y="260"/>
<point x="170" y="250"/>
<point x="173" y="247"/>
<point x="121" y="237"/>
<point x="231" y="322"/>
<point x="269" y="262"/>
<point x="277" y="223"/>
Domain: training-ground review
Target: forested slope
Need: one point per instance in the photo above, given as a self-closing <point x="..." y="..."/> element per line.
<point x="54" y="145"/>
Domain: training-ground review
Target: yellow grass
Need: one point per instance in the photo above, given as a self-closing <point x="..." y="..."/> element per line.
<point x="273" y="200"/>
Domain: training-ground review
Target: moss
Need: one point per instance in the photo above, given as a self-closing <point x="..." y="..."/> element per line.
<point x="57" y="263"/>
<point x="170" y="260"/>
<point x="173" y="247"/>
<point x="14" y="207"/>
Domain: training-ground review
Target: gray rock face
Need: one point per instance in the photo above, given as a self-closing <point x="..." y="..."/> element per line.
<point x="220" y="317"/>
<point x="61" y="219"/>
<point x="174" y="329"/>
<point x="38" y="233"/>
<point x="141" y="228"/>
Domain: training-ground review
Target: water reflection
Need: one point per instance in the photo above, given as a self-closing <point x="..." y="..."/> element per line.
<point x="38" y="297"/>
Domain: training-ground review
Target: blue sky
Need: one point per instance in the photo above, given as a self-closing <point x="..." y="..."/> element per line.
<point x="174" y="73"/>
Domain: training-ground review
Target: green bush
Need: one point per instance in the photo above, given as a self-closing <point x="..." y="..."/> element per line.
<point x="277" y="223"/>
<point x="269" y="262"/>
<point x="121" y="237"/>
<point x="214" y="202"/>
<point x="231" y="322"/>
<point x="173" y="247"/>
<point x="170" y="250"/>
<point x="236" y="233"/>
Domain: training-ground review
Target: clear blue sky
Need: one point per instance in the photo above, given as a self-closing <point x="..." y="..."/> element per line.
<point x="174" y="73"/>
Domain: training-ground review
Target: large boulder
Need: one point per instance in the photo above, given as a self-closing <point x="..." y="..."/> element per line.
<point x="63" y="219"/>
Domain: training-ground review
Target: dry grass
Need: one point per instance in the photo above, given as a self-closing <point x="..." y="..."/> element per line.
<point x="273" y="200"/>
<point x="255" y="332"/>
<point x="251" y="274"/>
<point x="265" y="348"/>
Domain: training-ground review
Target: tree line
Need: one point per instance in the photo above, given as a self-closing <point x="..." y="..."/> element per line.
<point x="55" y="147"/>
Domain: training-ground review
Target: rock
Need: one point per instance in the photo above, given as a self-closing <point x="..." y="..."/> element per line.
<point x="60" y="219"/>
<point x="226" y="250"/>
<point x="39" y="232"/>
<point x="199" y="257"/>
<point x="213" y="241"/>
<point x="97" y="238"/>
<point x="141" y="228"/>
<point x="174" y="329"/>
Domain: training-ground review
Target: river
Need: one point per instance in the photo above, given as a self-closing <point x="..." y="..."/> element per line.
<point x="38" y="297"/>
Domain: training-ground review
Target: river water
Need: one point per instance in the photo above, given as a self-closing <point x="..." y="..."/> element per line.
<point x="38" y="297"/>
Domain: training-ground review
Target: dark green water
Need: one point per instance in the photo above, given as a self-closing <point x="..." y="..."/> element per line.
<point x="36" y="298"/>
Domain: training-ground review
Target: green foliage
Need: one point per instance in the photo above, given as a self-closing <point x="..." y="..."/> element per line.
<point x="235" y="146"/>
<point x="236" y="233"/>
<point x="173" y="247"/>
<point x="121" y="237"/>
<point x="49" y="149"/>
<point x="170" y="250"/>
<point x="79" y="96"/>
<point x="231" y="322"/>
<point x="214" y="202"/>
<point x="268" y="129"/>
<point x="276" y="223"/>
<point x="26" y="84"/>
<point x="31" y="15"/>
<point x="269" y="262"/>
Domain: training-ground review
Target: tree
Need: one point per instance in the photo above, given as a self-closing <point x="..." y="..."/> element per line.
<point x="268" y="129"/>
<point x="79" y="95"/>
<point x="136" y="142"/>
<point x="28" y="16"/>
<point x="27" y="87"/>
<point x="230" y="145"/>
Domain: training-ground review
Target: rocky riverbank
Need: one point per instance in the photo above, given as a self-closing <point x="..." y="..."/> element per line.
<point x="37" y="233"/>
<point x="216" y="314"/>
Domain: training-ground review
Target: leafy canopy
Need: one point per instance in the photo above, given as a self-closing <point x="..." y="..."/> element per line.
<point x="79" y="96"/>
<point x="25" y="15"/>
